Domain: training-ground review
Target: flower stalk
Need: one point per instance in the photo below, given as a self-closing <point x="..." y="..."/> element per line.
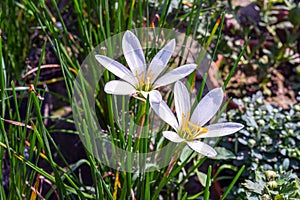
<point x="174" y="159"/>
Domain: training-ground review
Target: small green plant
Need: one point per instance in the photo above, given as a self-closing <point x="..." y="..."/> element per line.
<point x="269" y="143"/>
<point x="269" y="185"/>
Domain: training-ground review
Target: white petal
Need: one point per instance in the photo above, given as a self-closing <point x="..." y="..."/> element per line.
<point x="175" y="75"/>
<point x="182" y="101"/>
<point x="155" y="96"/>
<point x="208" y="107"/>
<point x="133" y="53"/>
<point x="202" y="148"/>
<point x="116" y="68"/>
<point x="221" y="129"/>
<point x="119" y="88"/>
<point x="172" y="136"/>
<point x="161" y="109"/>
<point x="160" y="60"/>
<point x="145" y="94"/>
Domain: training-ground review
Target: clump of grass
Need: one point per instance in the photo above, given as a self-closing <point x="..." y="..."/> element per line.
<point x="72" y="29"/>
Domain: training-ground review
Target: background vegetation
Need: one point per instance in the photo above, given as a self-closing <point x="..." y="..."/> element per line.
<point x="43" y="43"/>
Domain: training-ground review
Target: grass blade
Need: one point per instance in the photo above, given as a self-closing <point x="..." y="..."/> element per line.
<point x="208" y="183"/>
<point x="233" y="182"/>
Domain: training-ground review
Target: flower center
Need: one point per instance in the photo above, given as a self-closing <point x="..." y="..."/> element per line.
<point x="144" y="81"/>
<point x="190" y="131"/>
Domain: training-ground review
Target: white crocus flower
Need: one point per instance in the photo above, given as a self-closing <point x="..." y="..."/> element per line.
<point x="189" y="126"/>
<point x="140" y="78"/>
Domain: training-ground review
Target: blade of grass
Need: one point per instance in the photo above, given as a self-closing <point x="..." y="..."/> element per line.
<point x="2" y="65"/>
<point x="129" y="159"/>
<point x="39" y="170"/>
<point x="2" y="105"/>
<point x="2" y="79"/>
<point x="129" y="26"/>
<point x="233" y="182"/>
<point x="43" y="53"/>
<point x="101" y="183"/>
<point x="208" y="183"/>
<point x="164" y="180"/>
<point x="222" y="167"/>
<point x="60" y="187"/>
<point x="164" y="12"/>
<point x="235" y="65"/>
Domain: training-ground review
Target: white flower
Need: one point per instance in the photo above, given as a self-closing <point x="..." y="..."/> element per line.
<point x="190" y="127"/>
<point x="141" y="78"/>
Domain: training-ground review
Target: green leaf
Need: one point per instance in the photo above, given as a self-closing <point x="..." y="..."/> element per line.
<point x="202" y="178"/>
<point x="186" y="153"/>
<point x="278" y="197"/>
<point x="286" y="164"/>
<point x="256" y="187"/>
<point x="223" y="154"/>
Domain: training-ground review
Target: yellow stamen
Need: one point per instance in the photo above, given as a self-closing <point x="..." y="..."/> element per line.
<point x="138" y="78"/>
<point x="143" y="77"/>
<point x="185" y="124"/>
<point x="150" y="75"/>
<point x="145" y="80"/>
<point x="148" y="83"/>
<point x="190" y="130"/>
<point x="198" y="128"/>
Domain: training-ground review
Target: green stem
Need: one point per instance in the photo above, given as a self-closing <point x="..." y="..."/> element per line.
<point x="233" y="182"/>
<point x="207" y="185"/>
<point x="167" y="175"/>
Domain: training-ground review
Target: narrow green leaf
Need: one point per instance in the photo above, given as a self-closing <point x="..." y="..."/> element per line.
<point x="233" y="182"/>
<point x="208" y="183"/>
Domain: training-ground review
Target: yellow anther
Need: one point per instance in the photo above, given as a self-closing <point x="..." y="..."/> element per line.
<point x="144" y="80"/>
<point x="137" y="76"/>
<point x="149" y="73"/>
<point x="143" y="77"/>
<point x="182" y="119"/>
<point x="192" y="130"/>
<point x="185" y="123"/>
<point x="198" y="128"/>
<point x="200" y="131"/>
<point x="147" y="85"/>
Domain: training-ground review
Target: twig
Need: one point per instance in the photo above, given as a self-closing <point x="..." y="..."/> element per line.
<point x="46" y="67"/>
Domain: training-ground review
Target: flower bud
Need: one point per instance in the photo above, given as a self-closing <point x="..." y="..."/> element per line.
<point x="266" y="197"/>
<point x="272" y="184"/>
<point x="270" y="174"/>
<point x="261" y="122"/>
<point x="291" y="131"/>
<point x="259" y="101"/>
<point x="297" y="108"/>
<point x="251" y="142"/>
